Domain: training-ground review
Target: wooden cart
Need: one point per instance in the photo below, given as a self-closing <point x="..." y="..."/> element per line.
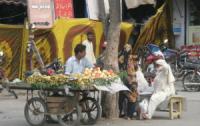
<point x="69" y="109"/>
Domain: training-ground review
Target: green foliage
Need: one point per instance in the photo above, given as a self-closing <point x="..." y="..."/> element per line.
<point x="74" y="84"/>
<point x="104" y="82"/>
<point x="123" y="75"/>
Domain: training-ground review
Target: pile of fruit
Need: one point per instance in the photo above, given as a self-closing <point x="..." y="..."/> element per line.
<point x="99" y="77"/>
<point x="44" y="81"/>
<point x="85" y="80"/>
<point x="97" y="73"/>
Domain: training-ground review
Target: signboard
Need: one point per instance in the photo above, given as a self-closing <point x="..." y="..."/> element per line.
<point x="41" y="13"/>
<point x="64" y="8"/>
<point x="177" y="29"/>
<point x="194" y="35"/>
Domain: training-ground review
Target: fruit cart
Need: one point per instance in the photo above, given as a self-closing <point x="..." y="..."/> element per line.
<point x="71" y="99"/>
<point x="49" y="103"/>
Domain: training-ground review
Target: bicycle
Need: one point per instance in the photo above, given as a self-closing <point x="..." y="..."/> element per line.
<point x="4" y="79"/>
<point x="91" y="109"/>
<point x="191" y="80"/>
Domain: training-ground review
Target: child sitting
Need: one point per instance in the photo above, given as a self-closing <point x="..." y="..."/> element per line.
<point x="131" y="96"/>
<point x="132" y="85"/>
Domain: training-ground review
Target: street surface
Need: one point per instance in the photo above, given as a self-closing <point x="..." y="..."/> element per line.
<point x="12" y="113"/>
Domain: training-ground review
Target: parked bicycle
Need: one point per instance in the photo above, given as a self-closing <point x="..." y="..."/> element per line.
<point x="3" y="78"/>
<point x="91" y="109"/>
<point x="191" y="80"/>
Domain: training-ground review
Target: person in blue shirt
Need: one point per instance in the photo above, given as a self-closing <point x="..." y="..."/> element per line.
<point x="78" y="63"/>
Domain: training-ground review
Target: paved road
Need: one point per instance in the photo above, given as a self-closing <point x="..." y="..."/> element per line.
<point x="11" y="113"/>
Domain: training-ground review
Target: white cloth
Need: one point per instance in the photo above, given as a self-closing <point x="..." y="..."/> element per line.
<point x="143" y="85"/>
<point x="155" y="100"/>
<point x="164" y="80"/>
<point x="89" y="51"/>
<point x="137" y="3"/>
<point x="92" y="9"/>
<point x="107" y="6"/>
<point x="114" y="87"/>
<point x="163" y="87"/>
<point x="150" y="68"/>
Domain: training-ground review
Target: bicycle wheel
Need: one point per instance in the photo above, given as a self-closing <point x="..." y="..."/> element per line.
<point x="70" y="119"/>
<point x="91" y="111"/>
<point x="34" y="111"/>
<point x="176" y="70"/>
<point x="191" y="82"/>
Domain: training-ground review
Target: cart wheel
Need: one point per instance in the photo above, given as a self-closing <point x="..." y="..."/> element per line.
<point x="34" y="111"/>
<point x="91" y="111"/>
<point x="72" y="118"/>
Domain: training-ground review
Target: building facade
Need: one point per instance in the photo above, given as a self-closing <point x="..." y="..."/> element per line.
<point x="186" y="22"/>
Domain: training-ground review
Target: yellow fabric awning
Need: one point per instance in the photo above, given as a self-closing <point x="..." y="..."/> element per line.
<point x="156" y="29"/>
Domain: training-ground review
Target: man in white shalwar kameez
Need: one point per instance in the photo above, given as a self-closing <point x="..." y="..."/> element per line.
<point x="163" y="87"/>
<point x="89" y="48"/>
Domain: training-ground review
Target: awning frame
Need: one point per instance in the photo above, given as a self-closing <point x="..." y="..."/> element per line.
<point x="14" y="2"/>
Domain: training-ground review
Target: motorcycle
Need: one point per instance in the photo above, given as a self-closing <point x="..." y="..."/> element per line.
<point x="151" y="52"/>
<point x="184" y="64"/>
<point x="169" y="55"/>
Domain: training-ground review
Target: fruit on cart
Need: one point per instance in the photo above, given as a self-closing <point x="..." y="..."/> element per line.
<point x="82" y="79"/>
<point x="97" y="73"/>
<point x="50" y="71"/>
<point x="86" y="79"/>
<point x="42" y="81"/>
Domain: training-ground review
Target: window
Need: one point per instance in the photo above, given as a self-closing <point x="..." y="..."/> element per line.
<point x="194" y="12"/>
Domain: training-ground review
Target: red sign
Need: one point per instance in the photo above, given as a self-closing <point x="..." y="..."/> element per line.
<point x="64" y="8"/>
<point x="41" y="13"/>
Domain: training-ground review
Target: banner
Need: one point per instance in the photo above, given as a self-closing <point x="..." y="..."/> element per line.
<point x="157" y="29"/>
<point x="125" y="33"/>
<point x="41" y="13"/>
<point x="193" y="35"/>
<point x="136" y="3"/>
<point x="11" y="45"/>
<point x="64" y="8"/>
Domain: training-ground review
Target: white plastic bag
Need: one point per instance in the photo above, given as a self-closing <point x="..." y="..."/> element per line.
<point x="144" y="106"/>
